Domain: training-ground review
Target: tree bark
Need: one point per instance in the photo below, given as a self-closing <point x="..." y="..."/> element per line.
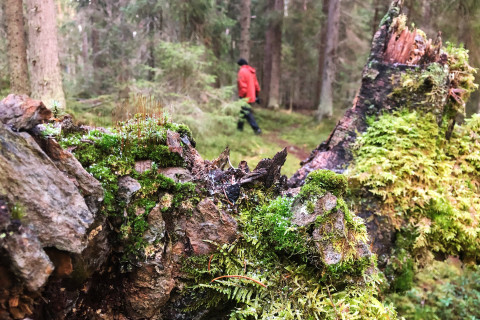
<point x="151" y="48"/>
<point x="381" y="78"/>
<point x="17" y="47"/>
<point x="273" y="54"/>
<point x="245" y="17"/>
<point x="44" y="64"/>
<point x="321" y="51"/>
<point x="325" y="108"/>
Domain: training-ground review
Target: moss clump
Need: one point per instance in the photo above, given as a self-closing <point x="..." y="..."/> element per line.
<point x="320" y="181"/>
<point x="424" y="181"/>
<point x="273" y="223"/>
<point x="108" y="155"/>
<point x="285" y="260"/>
<point x="441" y="88"/>
<point x="427" y="88"/>
<point x="462" y="76"/>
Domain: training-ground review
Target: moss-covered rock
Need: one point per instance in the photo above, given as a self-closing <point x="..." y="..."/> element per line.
<point x="291" y="261"/>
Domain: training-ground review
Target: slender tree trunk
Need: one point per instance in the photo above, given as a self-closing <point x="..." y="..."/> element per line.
<point x="427" y="16"/>
<point x="325" y="108"/>
<point x="321" y="51"/>
<point x="94" y="35"/>
<point x="245" y="17"/>
<point x="44" y="64"/>
<point x="151" y="48"/>
<point x="17" y="47"/>
<point x="273" y="54"/>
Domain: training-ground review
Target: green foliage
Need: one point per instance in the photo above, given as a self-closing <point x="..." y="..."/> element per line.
<point x="110" y="155"/>
<point x="429" y="84"/>
<point x="443" y="290"/>
<point x="293" y="291"/>
<point x="17" y="211"/>
<point x="423" y="180"/>
<point x="320" y="181"/>
<point x="401" y="267"/>
<point x="272" y="222"/>
<point x="462" y="72"/>
<point x="277" y="253"/>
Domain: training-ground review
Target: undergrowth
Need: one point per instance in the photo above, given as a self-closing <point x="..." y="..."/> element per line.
<point x="274" y="269"/>
<point x="443" y="290"/>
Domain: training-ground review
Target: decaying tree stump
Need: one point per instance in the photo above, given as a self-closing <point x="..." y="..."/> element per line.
<point x="396" y="51"/>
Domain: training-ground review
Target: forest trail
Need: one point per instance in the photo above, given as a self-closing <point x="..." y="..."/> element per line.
<point x="295" y="150"/>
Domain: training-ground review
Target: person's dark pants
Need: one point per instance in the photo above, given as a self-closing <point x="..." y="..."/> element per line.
<point x="247" y="114"/>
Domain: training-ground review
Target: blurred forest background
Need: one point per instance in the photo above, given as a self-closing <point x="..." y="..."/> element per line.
<point x="118" y="57"/>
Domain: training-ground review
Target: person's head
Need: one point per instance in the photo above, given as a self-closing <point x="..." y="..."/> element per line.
<point x="242" y="62"/>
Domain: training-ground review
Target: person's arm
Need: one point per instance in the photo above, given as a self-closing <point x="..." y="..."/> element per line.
<point x="242" y="85"/>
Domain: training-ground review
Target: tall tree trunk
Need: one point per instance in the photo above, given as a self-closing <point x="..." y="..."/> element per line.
<point x="245" y="17"/>
<point x="325" y="108"/>
<point x="45" y="74"/>
<point x="321" y="51"/>
<point x="151" y="49"/>
<point x="17" y="47"/>
<point x="427" y="16"/>
<point x="273" y="54"/>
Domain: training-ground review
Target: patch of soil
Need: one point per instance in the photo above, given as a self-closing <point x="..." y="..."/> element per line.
<point x="298" y="152"/>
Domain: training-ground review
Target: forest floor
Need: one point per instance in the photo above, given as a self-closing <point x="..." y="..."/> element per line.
<point x="300" y="133"/>
<point x="297" y="132"/>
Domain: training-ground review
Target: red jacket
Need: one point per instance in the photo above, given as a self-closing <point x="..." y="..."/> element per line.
<point x="247" y="83"/>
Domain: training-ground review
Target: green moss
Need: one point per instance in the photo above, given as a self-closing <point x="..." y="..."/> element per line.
<point x="348" y="269"/>
<point x="320" y="181"/>
<point x="426" y="88"/>
<point x="401" y="266"/>
<point x="283" y="257"/>
<point x="17" y="211"/>
<point x="110" y="155"/>
<point x="444" y="290"/>
<point x="423" y="180"/>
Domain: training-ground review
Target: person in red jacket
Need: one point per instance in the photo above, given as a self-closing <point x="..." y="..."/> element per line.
<point x="248" y="90"/>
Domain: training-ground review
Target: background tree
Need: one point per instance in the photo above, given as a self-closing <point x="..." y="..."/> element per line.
<point x="273" y="53"/>
<point x="325" y="108"/>
<point x="17" y="47"/>
<point x="321" y="50"/>
<point x="245" y="18"/>
<point x="43" y="58"/>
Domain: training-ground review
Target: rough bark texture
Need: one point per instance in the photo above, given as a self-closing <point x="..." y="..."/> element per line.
<point x="321" y="51"/>
<point x="245" y="17"/>
<point x="392" y="54"/>
<point x="325" y="108"/>
<point x="43" y="58"/>
<point x="17" y="47"/>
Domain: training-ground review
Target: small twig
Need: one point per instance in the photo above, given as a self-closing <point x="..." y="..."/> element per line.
<point x="242" y="277"/>
<point x="209" y="261"/>
<point x="228" y="200"/>
<point x="333" y="304"/>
